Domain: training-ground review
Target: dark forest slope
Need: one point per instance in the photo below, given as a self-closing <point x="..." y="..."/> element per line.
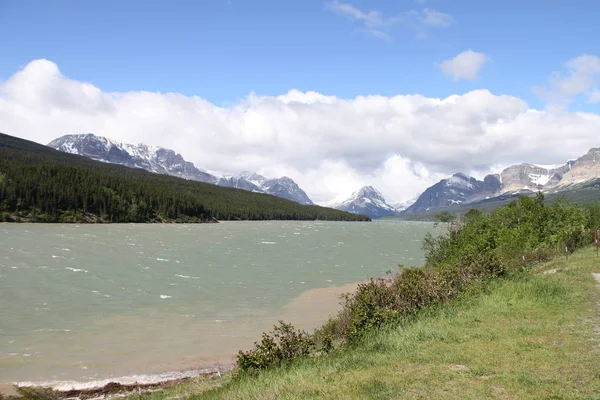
<point x="40" y="184"/>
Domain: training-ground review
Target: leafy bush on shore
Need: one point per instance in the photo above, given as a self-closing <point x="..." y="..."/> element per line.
<point x="473" y="250"/>
<point x="278" y="347"/>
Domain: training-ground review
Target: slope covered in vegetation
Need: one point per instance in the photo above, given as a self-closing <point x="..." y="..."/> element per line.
<point x="477" y="311"/>
<point x="40" y="184"/>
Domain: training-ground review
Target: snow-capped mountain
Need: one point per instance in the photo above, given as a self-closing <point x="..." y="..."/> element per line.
<point x="457" y="189"/>
<point x="532" y="177"/>
<point x="281" y="187"/>
<point x="151" y="158"/>
<point x="403" y="205"/>
<point x="520" y="178"/>
<point x="164" y="161"/>
<point x="367" y="201"/>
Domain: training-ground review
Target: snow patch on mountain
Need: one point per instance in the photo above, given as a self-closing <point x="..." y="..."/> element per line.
<point x="164" y="161"/>
<point x="367" y="201"/>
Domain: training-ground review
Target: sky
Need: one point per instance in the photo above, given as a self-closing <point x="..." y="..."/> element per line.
<point x="334" y="94"/>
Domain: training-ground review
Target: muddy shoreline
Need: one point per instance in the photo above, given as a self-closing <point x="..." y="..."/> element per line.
<point x="300" y="312"/>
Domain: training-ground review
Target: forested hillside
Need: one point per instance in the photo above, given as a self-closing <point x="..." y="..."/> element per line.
<point x="39" y="184"/>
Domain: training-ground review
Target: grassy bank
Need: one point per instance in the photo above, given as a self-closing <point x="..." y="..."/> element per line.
<point x="534" y="335"/>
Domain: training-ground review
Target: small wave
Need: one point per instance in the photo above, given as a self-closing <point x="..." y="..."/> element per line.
<point x="164" y="296"/>
<point x="76" y="269"/>
<point x="268" y="242"/>
<point x="161" y="259"/>
<point x="186" y="276"/>
<point x="65" y="249"/>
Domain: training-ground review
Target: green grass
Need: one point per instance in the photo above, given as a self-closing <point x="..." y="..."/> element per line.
<point x="533" y="336"/>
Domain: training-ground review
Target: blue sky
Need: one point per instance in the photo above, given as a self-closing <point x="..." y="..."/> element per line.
<point x="223" y="50"/>
<point x="395" y="94"/>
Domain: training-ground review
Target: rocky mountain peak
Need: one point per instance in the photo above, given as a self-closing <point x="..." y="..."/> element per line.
<point x="166" y="161"/>
<point x="367" y="201"/>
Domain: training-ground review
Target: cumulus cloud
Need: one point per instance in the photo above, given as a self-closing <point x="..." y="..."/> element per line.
<point x="329" y="145"/>
<point x="465" y="65"/>
<point x="376" y="24"/>
<point x="581" y="78"/>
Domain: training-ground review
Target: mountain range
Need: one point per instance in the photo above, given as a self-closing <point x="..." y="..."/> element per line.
<point x="516" y="179"/>
<point x="165" y="161"/>
<point x="458" y="189"/>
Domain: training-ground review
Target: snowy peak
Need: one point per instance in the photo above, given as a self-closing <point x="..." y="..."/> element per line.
<point x="252" y="177"/>
<point x="367" y="201"/>
<point x="531" y="177"/>
<point x="165" y="161"/>
<point x="460" y="180"/>
<point x="151" y="158"/>
<point x="369" y="192"/>
<point x="288" y="189"/>
<point x="457" y="189"/>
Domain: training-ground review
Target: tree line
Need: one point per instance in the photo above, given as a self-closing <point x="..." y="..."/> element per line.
<point x="40" y="184"/>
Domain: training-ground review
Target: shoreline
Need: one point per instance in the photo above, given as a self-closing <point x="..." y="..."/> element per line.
<point x="124" y="385"/>
<point x="299" y="311"/>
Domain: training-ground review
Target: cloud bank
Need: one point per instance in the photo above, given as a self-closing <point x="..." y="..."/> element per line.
<point x="330" y="146"/>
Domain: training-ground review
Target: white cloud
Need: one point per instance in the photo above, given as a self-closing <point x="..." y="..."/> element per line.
<point x="330" y="146"/>
<point x="465" y="65"/>
<point x="581" y="78"/>
<point x="374" y="23"/>
<point x="436" y="18"/>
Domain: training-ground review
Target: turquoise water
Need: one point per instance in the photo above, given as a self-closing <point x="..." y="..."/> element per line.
<point x="84" y="302"/>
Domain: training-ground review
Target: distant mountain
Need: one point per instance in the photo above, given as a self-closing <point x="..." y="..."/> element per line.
<point x="367" y="201"/>
<point x="457" y="189"/>
<point x="532" y="177"/>
<point x="516" y="179"/>
<point x="398" y="207"/>
<point x="584" y="169"/>
<point x="283" y="187"/>
<point x="151" y="158"/>
<point x="164" y="161"/>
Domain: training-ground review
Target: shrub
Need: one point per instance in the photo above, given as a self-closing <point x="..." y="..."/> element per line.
<point x="276" y="348"/>
<point x="34" y="393"/>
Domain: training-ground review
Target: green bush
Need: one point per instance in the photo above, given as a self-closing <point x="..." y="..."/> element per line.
<point x="276" y="348"/>
<point x="32" y="393"/>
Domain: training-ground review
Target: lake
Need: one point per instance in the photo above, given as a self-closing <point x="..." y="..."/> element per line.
<point x="88" y="302"/>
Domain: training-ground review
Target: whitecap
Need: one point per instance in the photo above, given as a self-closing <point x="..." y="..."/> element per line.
<point x="268" y="242"/>
<point x="161" y="259"/>
<point x="186" y="276"/>
<point x="76" y="269"/>
<point x="164" y="296"/>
